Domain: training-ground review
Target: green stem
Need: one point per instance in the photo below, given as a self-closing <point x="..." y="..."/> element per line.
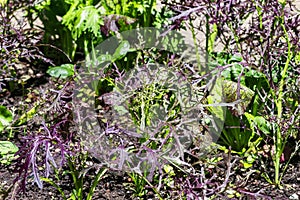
<point x="207" y="34"/>
<point x="256" y="99"/>
<point x="236" y="38"/>
<point x="278" y="152"/>
<point x="279" y="145"/>
<point x="283" y="76"/>
<point x="147" y="15"/>
<point x="86" y="50"/>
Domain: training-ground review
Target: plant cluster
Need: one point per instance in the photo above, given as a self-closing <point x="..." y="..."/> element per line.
<point x="74" y="27"/>
<point x="19" y="44"/>
<point x="265" y="36"/>
<point x="185" y="130"/>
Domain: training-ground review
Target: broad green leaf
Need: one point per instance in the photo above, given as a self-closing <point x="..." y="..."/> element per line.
<point x="250" y="119"/>
<point x="62" y="71"/>
<point x="254" y="74"/>
<point x="104" y="58"/>
<point x="235" y="58"/>
<point x="7" y="147"/>
<point x="226" y="74"/>
<point x="262" y="124"/>
<point x="5" y="117"/>
<point x="232" y="73"/>
<point x="256" y="80"/>
<point x="259" y="122"/>
<point x="122" y="50"/>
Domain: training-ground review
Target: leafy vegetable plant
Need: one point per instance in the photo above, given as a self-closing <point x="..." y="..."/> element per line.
<point x="232" y="87"/>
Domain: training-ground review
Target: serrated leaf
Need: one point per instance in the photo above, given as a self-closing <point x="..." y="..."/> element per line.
<point x="63" y="71"/>
<point x="83" y="20"/>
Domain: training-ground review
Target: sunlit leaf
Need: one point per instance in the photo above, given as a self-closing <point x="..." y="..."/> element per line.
<point x="262" y="124"/>
<point x="215" y="97"/>
<point x="62" y="71"/>
<point x="235" y="58"/>
<point x="7" y="147"/>
<point x="104" y="58"/>
<point x="28" y="115"/>
<point x="5" y="117"/>
<point x="122" y="50"/>
<point x="86" y="19"/>
<point x="3" y="2"/>
<point x="231" y="89"/>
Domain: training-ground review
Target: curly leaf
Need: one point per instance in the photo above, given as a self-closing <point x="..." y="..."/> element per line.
<point x="230" y="89"/>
